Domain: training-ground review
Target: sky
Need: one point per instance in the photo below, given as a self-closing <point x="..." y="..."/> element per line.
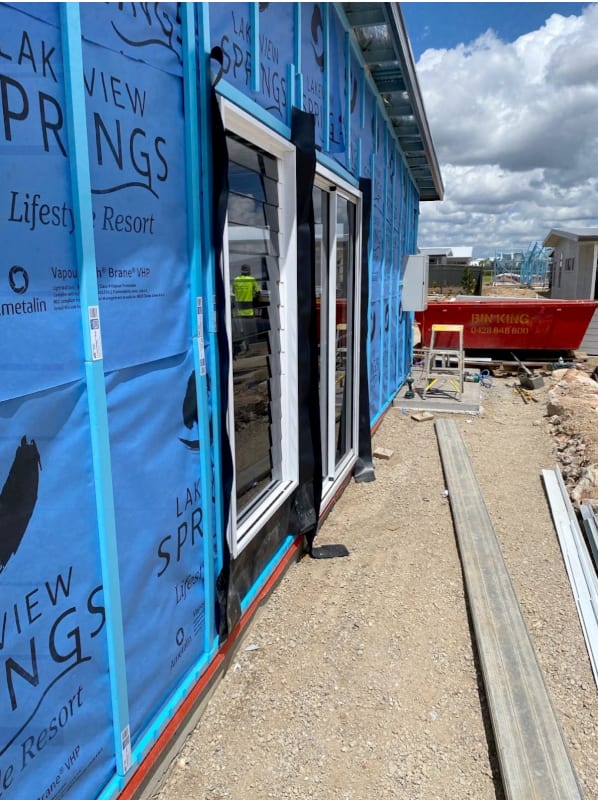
<point x="511" y="96"/>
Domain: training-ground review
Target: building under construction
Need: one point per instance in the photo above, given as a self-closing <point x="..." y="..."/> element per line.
<point x="531" y="268"/>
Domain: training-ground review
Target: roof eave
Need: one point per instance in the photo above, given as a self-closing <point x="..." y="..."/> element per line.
<point x="405" y="54"/>
<point x="392" y="69"/>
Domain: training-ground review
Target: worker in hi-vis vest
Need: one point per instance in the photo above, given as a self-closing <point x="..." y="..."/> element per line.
<point x="245" y="290"/>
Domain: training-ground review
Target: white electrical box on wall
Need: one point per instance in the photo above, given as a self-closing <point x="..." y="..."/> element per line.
<point x="415" y="283"/>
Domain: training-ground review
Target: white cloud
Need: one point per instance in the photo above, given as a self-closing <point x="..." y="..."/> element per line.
<point x="515" y="126"/>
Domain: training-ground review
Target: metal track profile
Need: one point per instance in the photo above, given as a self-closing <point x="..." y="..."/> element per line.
<point x="533" y="757"/>
<point x="582" y="576"/>
<point x="590" y="524"/>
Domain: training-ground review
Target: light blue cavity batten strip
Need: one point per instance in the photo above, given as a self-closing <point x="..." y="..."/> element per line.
<point x="254" y="16"/>
<point x="359" y="156"/>
<point x="362" y="98"/>
<point x="297" y="48"/>
<point x="297" y="35"/>
<point x="326" y="122"/>
<point x="348" y="98"/>
<point x="94" y="372"/>
<point x="197" y="311"/>
<point x="292" y="92"/>
<point x="299" y="91"/>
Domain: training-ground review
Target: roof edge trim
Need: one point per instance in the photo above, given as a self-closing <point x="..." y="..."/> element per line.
<point x="399" y="30"/>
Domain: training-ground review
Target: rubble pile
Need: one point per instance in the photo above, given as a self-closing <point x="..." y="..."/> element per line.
<point x="572" y="413"/>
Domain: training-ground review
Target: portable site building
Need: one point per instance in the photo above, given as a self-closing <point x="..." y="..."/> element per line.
<point x="204" y="215"/>
<point x="574" y="273"/>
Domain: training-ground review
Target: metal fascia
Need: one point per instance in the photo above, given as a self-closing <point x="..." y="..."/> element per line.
<point x="405" y="56"/>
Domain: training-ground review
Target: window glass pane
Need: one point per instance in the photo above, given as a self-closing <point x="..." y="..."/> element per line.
<point x="321" y="216"/>
<point x="252" y="240"/>
<point x="254" y="273"/>
<point x="345" y="267"/>
<point x="243" y="210"/>
<point x="243" y="154"/>
<point x="252" y="184"/>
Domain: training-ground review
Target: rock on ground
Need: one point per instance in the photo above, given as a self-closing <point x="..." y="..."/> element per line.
<point x="359" y="678"/>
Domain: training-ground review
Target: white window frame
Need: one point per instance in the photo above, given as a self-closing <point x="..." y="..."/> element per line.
<point x="240" y="533"/>
<point x="334" y="474"/>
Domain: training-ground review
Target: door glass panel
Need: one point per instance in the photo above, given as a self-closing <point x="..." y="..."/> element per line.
<point x="345" y="270"/>
<point x="253" y="225"/>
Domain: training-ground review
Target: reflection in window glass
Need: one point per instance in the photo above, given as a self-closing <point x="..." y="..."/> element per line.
<point x="335" y="220"/>
<point x="253" y="250"/>
<point x="321" y="219"/>
<point x="345" y="267"/>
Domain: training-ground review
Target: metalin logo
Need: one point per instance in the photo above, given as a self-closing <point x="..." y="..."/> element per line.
<point x="18" y="279"/>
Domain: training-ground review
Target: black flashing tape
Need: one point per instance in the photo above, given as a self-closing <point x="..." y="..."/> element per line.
<point x="228" y="608"/>
<point x="363" y="471"/>
<point x="240" y="574"/>
<point x="305" y="506"/>
<point x="251" y="562"/>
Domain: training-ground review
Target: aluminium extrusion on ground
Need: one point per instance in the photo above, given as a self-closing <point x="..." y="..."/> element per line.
<point x="591" y="528"/>
<point x="582" y="577"/>
<point x="533" y="757"/>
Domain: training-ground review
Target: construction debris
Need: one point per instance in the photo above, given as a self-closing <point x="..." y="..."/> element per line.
<point x="383" y="452"/>
<point x="525" y="394"/>
<point x="571" y="414"/>
<point x="422" y="416"/>
<point x="527" y="378"/>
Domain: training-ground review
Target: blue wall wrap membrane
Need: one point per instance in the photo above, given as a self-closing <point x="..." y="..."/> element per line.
<point x="159" y="522"/>
<point x="55" y="726"/>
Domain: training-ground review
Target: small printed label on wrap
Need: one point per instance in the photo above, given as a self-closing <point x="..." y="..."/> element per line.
<point x="200" y="339"/>
<point x="125" y="740"/>
<point x="95" y="333"/>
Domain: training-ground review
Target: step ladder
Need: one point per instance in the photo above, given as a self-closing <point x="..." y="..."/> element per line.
<point x="445" y="364"/>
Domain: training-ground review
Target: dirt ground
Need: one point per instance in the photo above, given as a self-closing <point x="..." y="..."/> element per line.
<point x="359" y="677"/>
